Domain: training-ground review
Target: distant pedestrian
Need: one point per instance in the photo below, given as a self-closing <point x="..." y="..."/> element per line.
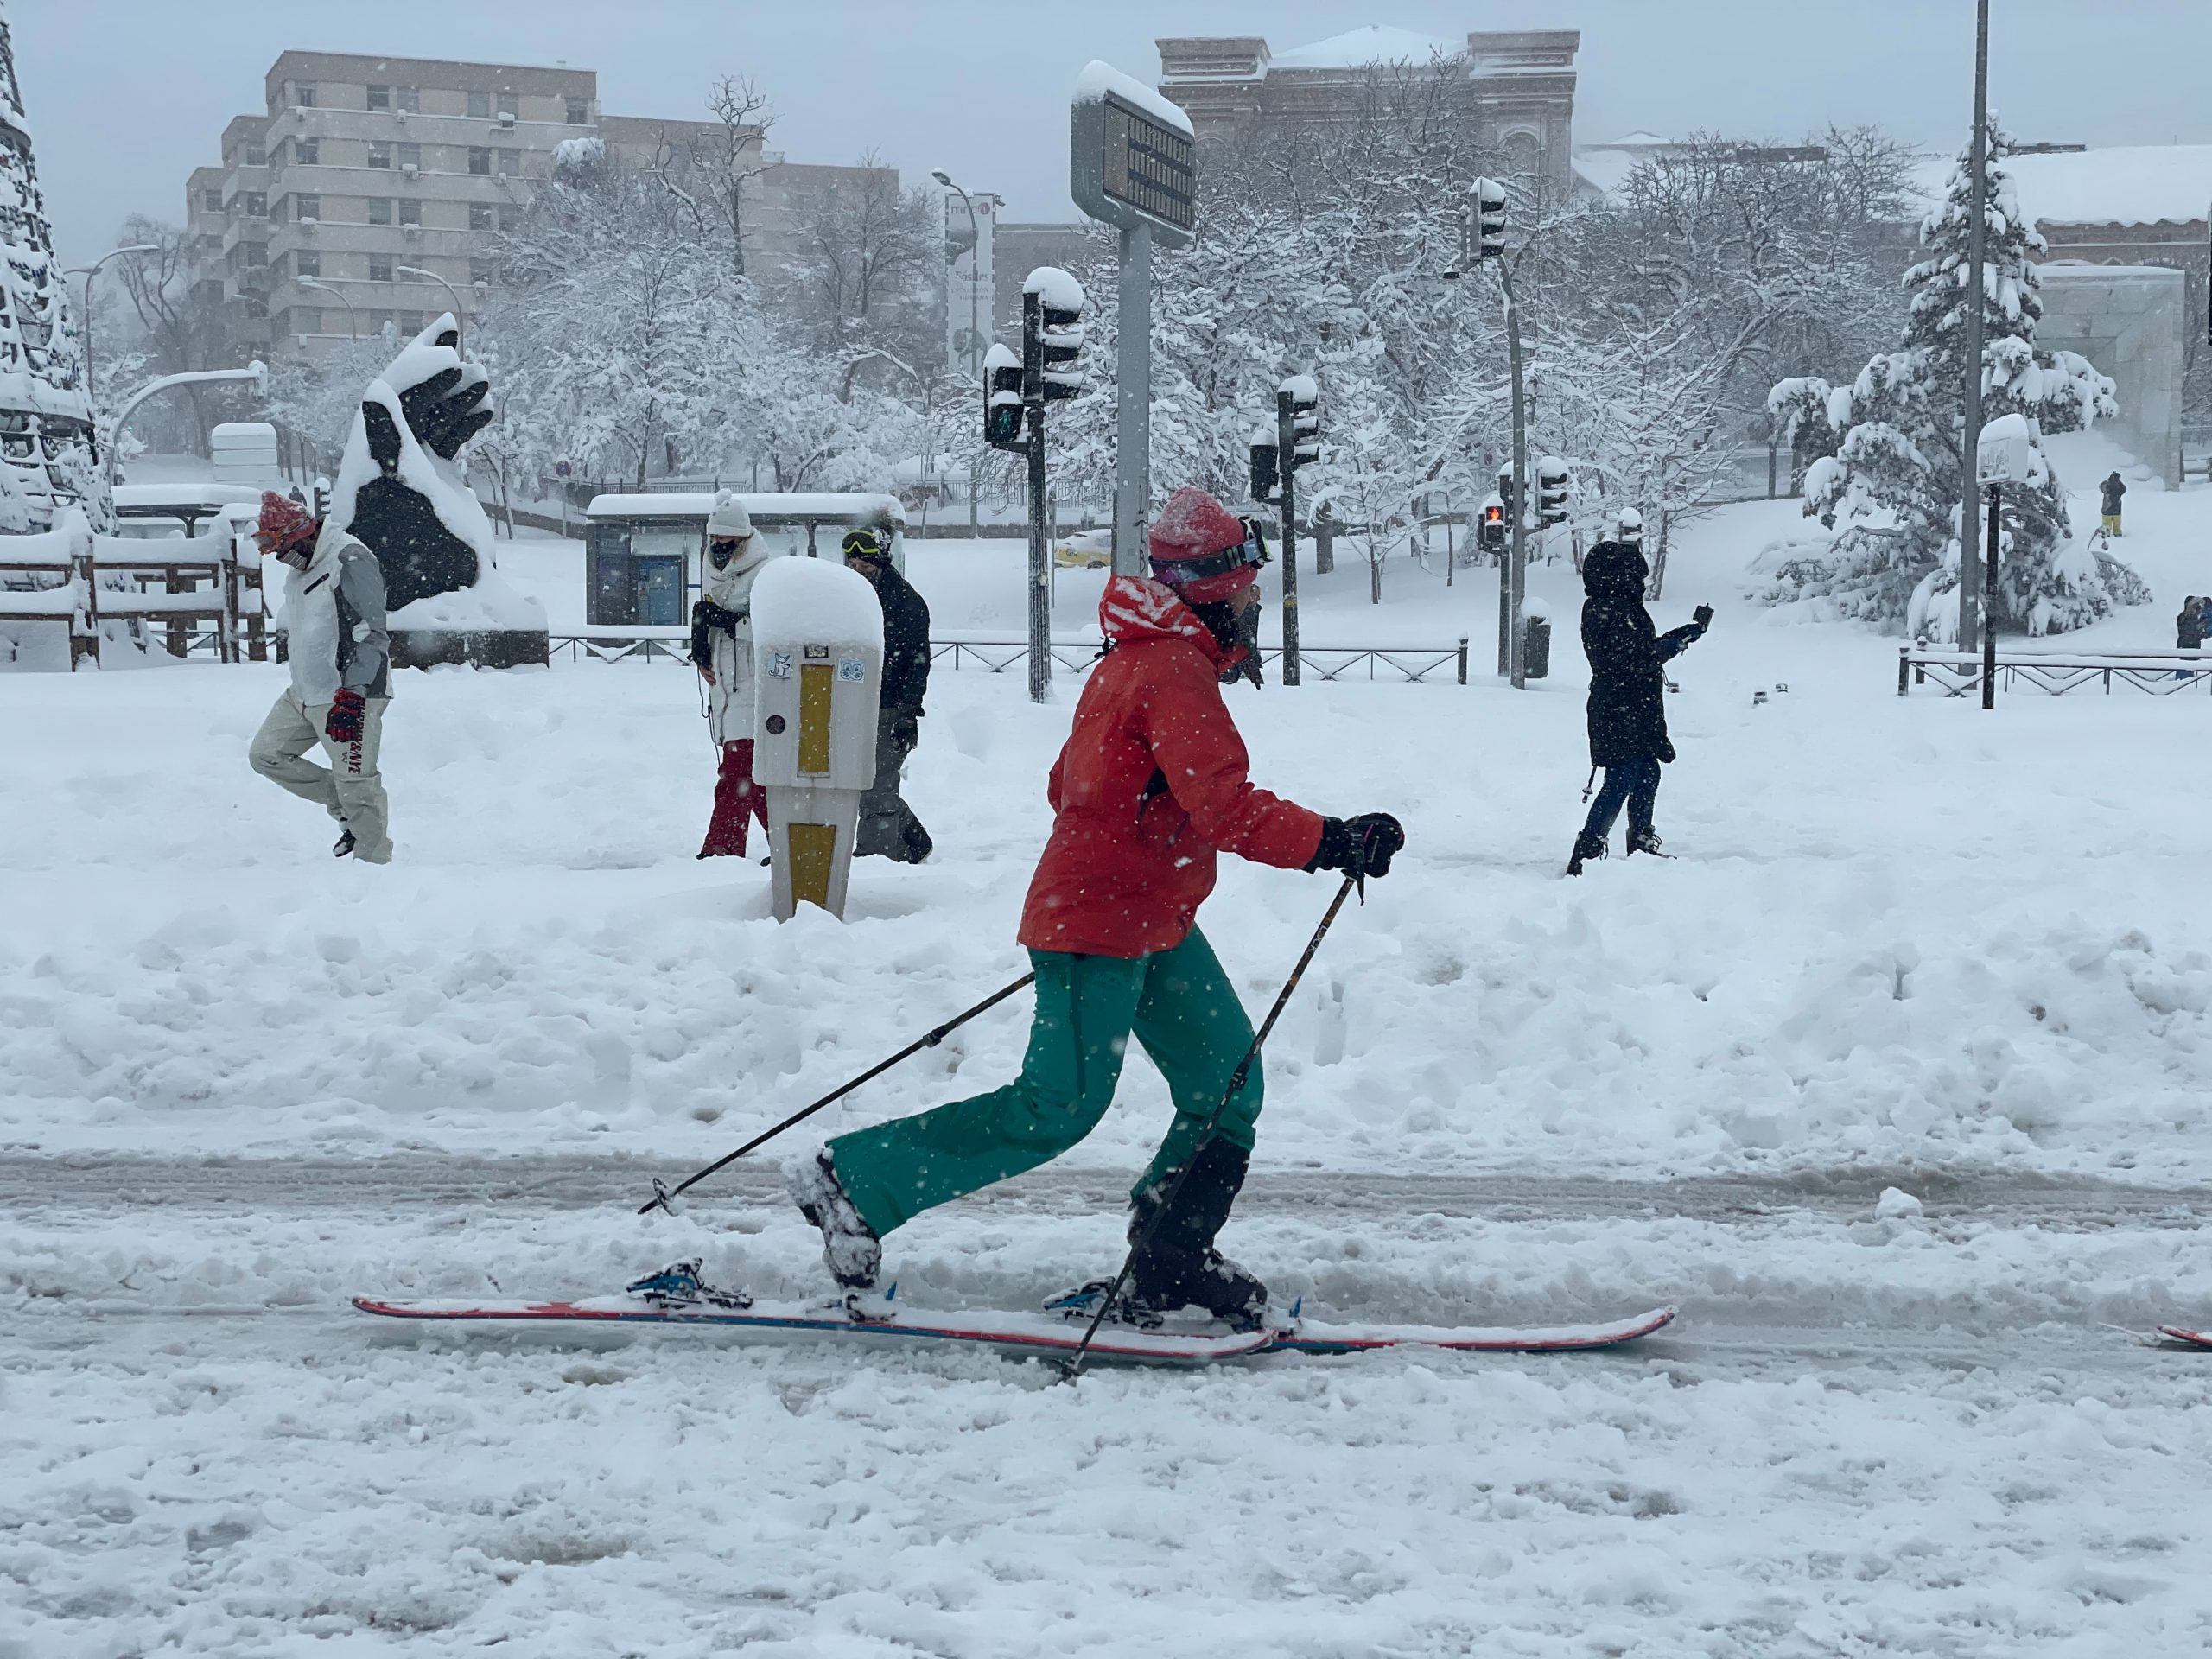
<point x="2112" y="489"/>
<point x="1627" y="688"/>
<point x="721" y="649"/>
<point x="2189" y="626"/>
<point x="340" y="660"/>
<point x="888" y="827"/>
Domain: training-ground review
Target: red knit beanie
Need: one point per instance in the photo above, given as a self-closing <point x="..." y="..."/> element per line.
<point x="284" y="518"/>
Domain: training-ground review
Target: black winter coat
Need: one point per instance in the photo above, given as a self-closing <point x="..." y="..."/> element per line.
<point x="2112" y="489"/>
<point x="1628" y="690"/>
<point x="2188" y="628"/>
<point x="906" y="642"/>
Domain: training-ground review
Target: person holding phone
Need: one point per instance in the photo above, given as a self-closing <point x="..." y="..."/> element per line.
<point x="1628" y="692"/>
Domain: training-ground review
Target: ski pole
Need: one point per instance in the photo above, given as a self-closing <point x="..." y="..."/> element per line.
<point x="1071" y="1368"/>
<point x="663" y="1192"/>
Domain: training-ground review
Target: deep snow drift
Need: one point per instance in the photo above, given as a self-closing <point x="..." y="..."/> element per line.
<point x="1906" y="945"/>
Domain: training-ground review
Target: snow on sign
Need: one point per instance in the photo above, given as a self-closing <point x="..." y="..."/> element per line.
<point x="1134" y="159"/>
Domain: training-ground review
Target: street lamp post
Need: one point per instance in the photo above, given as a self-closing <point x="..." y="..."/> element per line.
<point x="352" y="318"/>
<point x="975" y="321"/>
<point x="88" y="272"/>
<point x="256" y="372"/>
<point x="460" y="315"/>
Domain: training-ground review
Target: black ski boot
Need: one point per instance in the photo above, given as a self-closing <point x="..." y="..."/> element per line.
<point x="1645" y="841"/>
<point x="1586" y="847"/>
<point x="345" y="847"/>
<point x="849" y="1247"/>
<point x="1180" y="1267"/>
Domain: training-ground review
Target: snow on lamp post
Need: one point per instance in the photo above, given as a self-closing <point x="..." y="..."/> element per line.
<point x="88" y="272"/>
<point x="353" y="320"/>
<point x="459" y="315"/>
<point x="974" y="319"/>
<point x="256" y="371"/>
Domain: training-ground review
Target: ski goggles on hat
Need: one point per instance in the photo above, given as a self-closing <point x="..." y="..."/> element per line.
<point x="1208" y="568"/>
<point x="863" y="545"/>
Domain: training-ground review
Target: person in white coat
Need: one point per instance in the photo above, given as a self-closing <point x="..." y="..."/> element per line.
<point x="340" y="659"/>
<point x="722" y="648"/>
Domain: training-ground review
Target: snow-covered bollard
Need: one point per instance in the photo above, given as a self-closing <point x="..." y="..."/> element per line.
<point x="817" y="664"/>
<point x="1897" y="1205"/>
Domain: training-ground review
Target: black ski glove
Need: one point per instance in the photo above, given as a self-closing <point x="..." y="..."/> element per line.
<point x="1359" y="847"/>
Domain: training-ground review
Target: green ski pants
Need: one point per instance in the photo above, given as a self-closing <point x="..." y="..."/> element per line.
<point x="1181" y="1008"/>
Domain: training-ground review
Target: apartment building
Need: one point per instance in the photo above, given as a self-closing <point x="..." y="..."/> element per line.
<point x="373" y="189"/>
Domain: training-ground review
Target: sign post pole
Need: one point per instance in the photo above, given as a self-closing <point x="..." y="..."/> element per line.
<point x="1133" y="403"/>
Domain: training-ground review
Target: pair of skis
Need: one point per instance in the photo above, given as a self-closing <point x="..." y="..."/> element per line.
<point x="676" y="1297"/>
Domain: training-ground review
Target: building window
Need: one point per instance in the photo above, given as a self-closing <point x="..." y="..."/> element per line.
<point x="379" y="267"/>
<point x="307" y="208"/>
<point x="480" y="270"/>
<point x="256" y="307"/>
<point x="480" y="216"/>
<point x="305" y="319"/>
<point x="380" y="153"/>
<point x="410" y="323"/>
<point x="579" y="112"/>
<point x="257" y="204"/>
<point x="308" y="152"/>
<point x="412" y="156"/>
<point x="410" y="211"/>
<point x="307" y="262"/>
<point x="257" y="253"/>
<point x="511" y="163"/>
<point x="379" y="98"/>
<point x="480" y="106"/>
<point x="257" y="155"/>
<point x="211" y="201"/>
<point x="380" y="210"/>
<point x="480" y="160"/>
<point x="380" y="321"/>
<point x="410" y="98"/>
<point x="303" y="94"/>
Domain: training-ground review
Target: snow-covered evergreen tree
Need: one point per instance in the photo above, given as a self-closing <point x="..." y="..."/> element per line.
<point x="1895" y="474"/>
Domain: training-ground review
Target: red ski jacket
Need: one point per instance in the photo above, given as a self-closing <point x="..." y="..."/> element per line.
<point x="1151" y="785"/>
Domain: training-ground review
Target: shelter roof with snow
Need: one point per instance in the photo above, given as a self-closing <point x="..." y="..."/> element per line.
<point x="1519" y="83"/>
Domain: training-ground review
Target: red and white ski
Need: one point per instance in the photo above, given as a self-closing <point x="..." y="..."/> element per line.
<point x="1027" y="1333"/>
<point x="2183" y="1333"/>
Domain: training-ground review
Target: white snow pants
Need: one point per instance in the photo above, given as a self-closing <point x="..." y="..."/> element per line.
<point x="350" y="789"/>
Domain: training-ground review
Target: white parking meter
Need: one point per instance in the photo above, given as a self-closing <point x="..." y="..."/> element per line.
<point x="817" y="664"/>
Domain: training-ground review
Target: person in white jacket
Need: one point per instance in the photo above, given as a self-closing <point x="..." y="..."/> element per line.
<point x="340" y="659"/>
<point x="721" y="647"/>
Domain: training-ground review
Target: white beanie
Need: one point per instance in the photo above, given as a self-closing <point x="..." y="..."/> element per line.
<point x="728" y="517"/>
<point x="1631" y="522"/>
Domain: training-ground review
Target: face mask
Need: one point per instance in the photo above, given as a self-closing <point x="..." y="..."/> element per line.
<point x="721" y="553"/>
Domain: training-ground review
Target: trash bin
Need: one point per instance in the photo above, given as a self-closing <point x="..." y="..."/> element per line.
<point x="1536" y="647"/>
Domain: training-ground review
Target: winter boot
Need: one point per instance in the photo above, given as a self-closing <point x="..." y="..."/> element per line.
<point x="1587" y="845"/>
<point x="853" y="1252"/>
<point x="1645" y="841"/>
<point x="1178" y="1267"/>
<point x="345" y="847"/>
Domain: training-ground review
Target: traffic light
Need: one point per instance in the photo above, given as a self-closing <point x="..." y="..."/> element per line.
<point x="1551" y="491"/>
<point x="1489" y="526"/>
<point x="1489" y="220"/>
<point x="1266" y="476"/>
<point x="1301" y="399"/>
<point x="1001" y="399"/>
<point x="1056" y="323"/>
<point x="1507" y="495"/>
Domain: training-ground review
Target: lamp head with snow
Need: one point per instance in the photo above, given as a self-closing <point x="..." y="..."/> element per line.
<point x="2006" y="453"/>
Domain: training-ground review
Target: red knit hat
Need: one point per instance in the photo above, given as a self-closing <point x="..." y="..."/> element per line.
<point x="284" y="518"/>
<point x="1203" y="551"/>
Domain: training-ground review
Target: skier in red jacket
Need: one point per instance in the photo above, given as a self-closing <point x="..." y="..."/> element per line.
<point x="1151" y="785"/>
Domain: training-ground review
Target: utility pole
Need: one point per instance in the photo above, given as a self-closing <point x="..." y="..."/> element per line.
<point x="1041" y="569"/>
<point x="1297" y="436"/>
<point x="1970" y="435"/>
<point x="1513" y="583"/>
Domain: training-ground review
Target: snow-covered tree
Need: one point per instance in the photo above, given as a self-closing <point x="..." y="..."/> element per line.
<point x="1896" y="473"/>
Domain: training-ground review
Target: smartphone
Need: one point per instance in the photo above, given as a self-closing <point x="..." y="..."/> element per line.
<point x="1702" y="616"/>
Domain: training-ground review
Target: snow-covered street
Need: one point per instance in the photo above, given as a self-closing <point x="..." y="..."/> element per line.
<point x="1905" y="946"/>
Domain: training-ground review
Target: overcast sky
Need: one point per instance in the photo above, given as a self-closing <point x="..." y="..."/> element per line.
<point x="125" y="96"/>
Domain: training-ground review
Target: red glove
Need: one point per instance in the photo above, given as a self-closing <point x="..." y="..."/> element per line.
<point x="344" y="725"/>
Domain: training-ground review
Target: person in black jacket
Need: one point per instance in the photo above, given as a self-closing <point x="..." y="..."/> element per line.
<point x="1628" y="690"/>
<point x="2110" y="491"/>
<point x="888" y="827"/>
